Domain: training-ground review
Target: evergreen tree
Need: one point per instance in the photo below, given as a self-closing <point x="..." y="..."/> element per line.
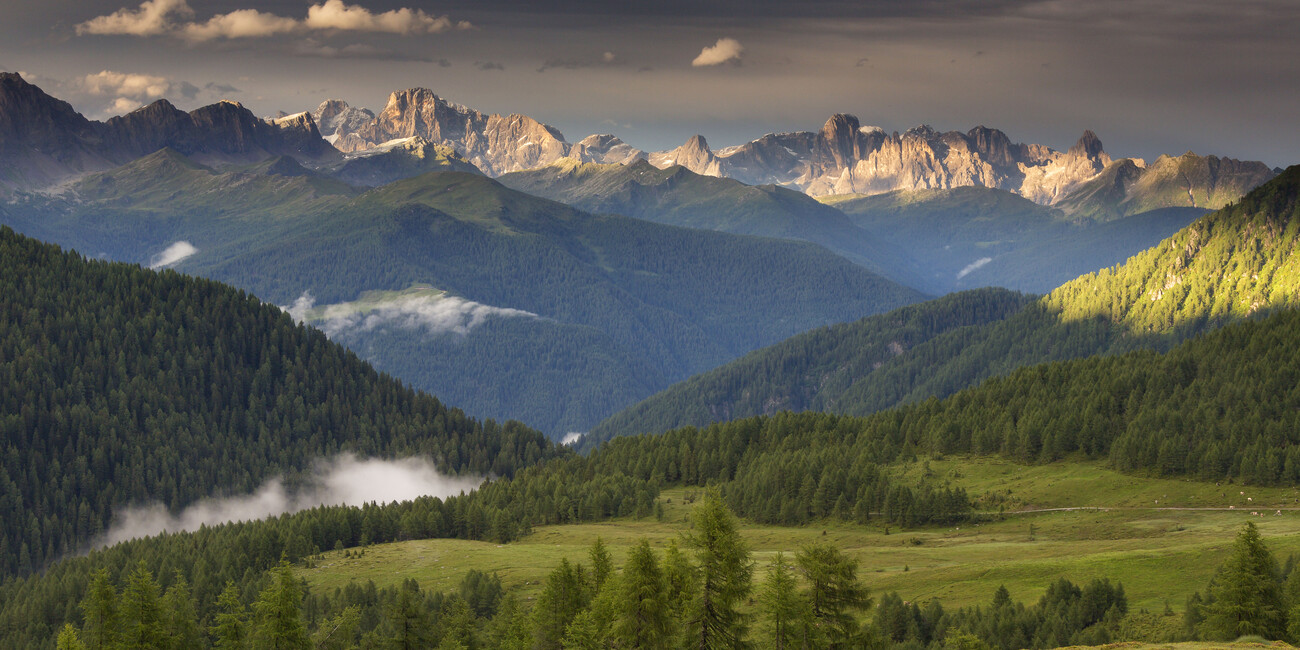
<point x="511" y="628"/>
<point x="561" y="599"/>
<point x="142" y="613"/>
<point x="456" y="624"/>
<point x="834" y="594"/>
<point x="230" y="623"/>
<point x="725" y="576"/>
<point x="99" y="610"/>
<point x="584" y="633"/>
<point x="643" y="619"/>
<point x="68" y="639"/>
<point x="338" y="632"/>
<point x="409" y="623"/>
<point x="1246" y="597"/>
<point x="783" y="608"/>
<point x="602" y="565"/>
<point x="277" y="614"/>
<point x="181" y="615"/>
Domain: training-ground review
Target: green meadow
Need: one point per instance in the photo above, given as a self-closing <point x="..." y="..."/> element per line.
<point x="1161" y="552"/>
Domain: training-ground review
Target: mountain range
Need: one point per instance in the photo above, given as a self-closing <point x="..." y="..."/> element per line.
<point x="44" y="141"/>
<point x="564" y="315"/>
<point x="1237" y="263"/>
<point x="844" y="157"/>
<point x="512" y="306"/>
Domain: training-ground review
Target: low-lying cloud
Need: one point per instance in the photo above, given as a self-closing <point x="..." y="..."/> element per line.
<point x="172" y="254"/>
<point x="726" y="50"/>
<point x="344" y="480"/>
<point x="176" y="18"/>
<point x="432" y="311"/>
<point x="969" y="268"/>
<point x="572" y="438"/>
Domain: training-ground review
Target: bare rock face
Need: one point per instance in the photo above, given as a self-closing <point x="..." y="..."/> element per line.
<point x="219" y="133"/>
<point x="1126" y="187"/>
<point x="398" y="159"/>
<point x="515" y="143"/>
<point x="42" y="139"/>
<point x="339" y="123"/>
<point x="1056" y="175"/>
<point x="694" y="155"/>
<point x="846" y="157"/>
<point x="605" y="149"/>
<point x="493" y="143"/>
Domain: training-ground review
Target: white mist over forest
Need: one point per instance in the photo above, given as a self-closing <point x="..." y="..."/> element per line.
<point x="343" y="480"/>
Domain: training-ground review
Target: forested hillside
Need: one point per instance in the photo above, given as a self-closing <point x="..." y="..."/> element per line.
<point x="1221" y="406"/>
<point x="124" y="386"/>
<point x="535" y="311"/>
<point x="810" y="371"/>
<point x="1237" y="263"/>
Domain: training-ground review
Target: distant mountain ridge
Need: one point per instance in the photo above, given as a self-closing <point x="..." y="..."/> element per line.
<point x="496" y="144"/>
<point x="844" y="157"/>
<point x="43" y="140"/>
<point x="680" y="197"/>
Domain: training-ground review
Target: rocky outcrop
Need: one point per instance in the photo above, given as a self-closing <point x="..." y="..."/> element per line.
<point x="42" y="139"/>
<point x="846" y="157"/>
<point x="339" y="123"/>
<point x="224" y="132"/>
<point x="694" y="155"/>
<point x="1127" y="187"/>
<point x="493" y="143"/>
<point x="605" y="149"/>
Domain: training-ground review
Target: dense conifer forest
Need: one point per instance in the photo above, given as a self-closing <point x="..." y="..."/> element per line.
<point x="126" y="386"/>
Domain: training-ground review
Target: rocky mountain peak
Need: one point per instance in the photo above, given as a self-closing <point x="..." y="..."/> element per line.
<point x="28" y="115"/>
<point x="840" y="125"/>
<point x="840" y="137"/>
<point x="992" y="145"/>
<point x="921" y="132"/>
<point x="1088" y="146"/>
<point x="605" y="148"/>
<point x="694" y="155"/>
<point x="696" y="145"/>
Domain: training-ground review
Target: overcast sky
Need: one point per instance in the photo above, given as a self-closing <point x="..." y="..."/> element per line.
<point x="1149" y="76"/>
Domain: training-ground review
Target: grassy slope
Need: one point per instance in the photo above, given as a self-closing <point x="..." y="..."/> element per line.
<point x="1159" y="555"/>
